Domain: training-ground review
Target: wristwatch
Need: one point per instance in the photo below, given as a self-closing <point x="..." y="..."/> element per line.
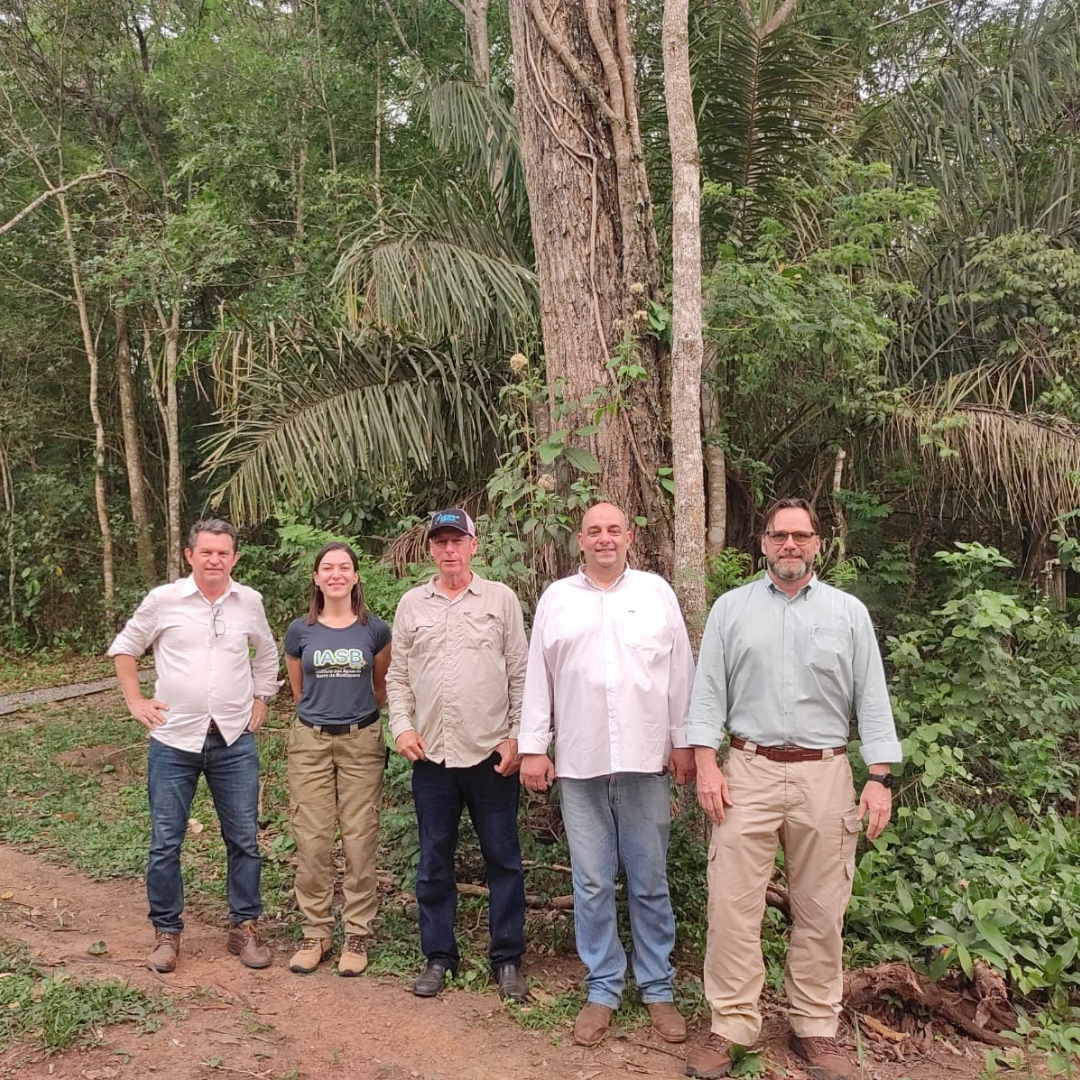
<point x="882" y="778"/>
<point x="263" y="698"/>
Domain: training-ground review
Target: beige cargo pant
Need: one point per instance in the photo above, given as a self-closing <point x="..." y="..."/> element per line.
<point x="335" y="780"/>
<point x="808" y="807"/>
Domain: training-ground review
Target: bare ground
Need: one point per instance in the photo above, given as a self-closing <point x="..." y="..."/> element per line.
<point x="266" y="1024"/>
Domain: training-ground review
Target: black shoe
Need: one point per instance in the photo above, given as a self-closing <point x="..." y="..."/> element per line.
<point x="430" y="981"/>
<point x="512" y="984"/>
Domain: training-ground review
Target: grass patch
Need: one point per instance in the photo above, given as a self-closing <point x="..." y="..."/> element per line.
<point x="56" y="1010"/>
<point x="39" y="670"/>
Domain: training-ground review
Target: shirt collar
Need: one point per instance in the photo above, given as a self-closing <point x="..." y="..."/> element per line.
<point x="588" y="583"/>
<point x="189" y="588"/>
<point x="777" y="591"/>
<point x="473" y="586"/>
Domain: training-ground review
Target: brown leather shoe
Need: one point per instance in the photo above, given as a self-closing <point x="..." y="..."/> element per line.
<point x="592" y="1024"/>
<point x="353" y="959"/>
<point x="711" y="1060"/>
<point x="667" y="1021"/>
<point x="312" y="952"/>
<point x="244" y="941"/>
<point x="824" y="1058"/>
<point x="164" y="953"/>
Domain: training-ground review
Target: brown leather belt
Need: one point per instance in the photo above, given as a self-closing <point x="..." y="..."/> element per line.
<point x="789" y="753"/>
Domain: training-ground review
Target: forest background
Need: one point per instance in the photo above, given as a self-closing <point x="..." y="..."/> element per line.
<point x="326" y="266"/>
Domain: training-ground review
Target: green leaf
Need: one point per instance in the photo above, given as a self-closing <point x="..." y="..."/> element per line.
<point x="582" y="460"/>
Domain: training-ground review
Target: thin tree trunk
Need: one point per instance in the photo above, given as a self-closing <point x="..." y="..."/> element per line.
<point x="715" y="463"/>
<point x="476" y="13"/>
<point x="172" y="436"/>
<point x="140" y="515"/>
<point x="9" y="507"/>
<point x="593" y="235"/>
<point x="107" y="573"/>
<point x="687" y="347"/>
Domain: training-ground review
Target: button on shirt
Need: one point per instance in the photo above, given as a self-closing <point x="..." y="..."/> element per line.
<point x="457" y="668"/>
<point x="789" y="672"/>
<point x="204" y="669"/>
<point x="610" y="672"/>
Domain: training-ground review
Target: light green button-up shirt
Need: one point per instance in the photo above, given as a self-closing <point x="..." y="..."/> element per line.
<point x="791" y="672"/>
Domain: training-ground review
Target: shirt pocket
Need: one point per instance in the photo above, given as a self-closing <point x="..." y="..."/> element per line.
<point x="482" y="631"/>
<point x="826" y="650"/>
<point x="647" y="630"/>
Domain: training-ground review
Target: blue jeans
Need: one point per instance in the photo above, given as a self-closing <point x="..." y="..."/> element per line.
<point x="440" y="794"/>
<point x="623" y="821"/>
<point x="232" y="774"/>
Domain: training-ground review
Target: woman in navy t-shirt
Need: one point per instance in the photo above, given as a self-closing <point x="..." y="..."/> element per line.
<point x="336" y="657"/>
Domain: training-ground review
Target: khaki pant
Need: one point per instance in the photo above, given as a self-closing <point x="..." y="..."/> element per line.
<point x="336" y="780"/>
<point x="809" y="808"/>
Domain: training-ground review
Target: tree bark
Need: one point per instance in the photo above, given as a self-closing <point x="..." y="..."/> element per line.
<point x="140" y="515"/>
<point x="476" y="28"/>
<point x="687" y="347"/>
<point x="595" y="245"/>
<point x="715" y="461"/>
<point x="107" y="571"/>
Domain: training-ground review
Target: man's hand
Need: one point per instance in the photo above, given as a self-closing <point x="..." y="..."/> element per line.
<point x="509" y="761"/>
<point x="875" y="800"/>
<point x="149" y="712"/>
<point x="410" y="746"/>
<point x="681" y="764"/>
<point x="712" y="787"/>
<point x="537" y="771"/>
<point x="259" y="712"/>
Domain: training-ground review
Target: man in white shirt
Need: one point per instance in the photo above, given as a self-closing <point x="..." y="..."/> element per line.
<point x="610" y="671"/>
<point x="210" y="697"/>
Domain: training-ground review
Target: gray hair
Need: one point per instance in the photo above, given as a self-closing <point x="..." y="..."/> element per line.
<point x="217" y="526"/>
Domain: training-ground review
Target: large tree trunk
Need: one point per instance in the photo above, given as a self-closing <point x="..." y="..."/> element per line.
<point x="107" y="574"/>
<point x="140" y="515"/>
<point x="595" y="244"/>
<point x="687" y="347"/>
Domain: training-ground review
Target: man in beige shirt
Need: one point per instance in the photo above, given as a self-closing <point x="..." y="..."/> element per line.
<point x="454" y="688"/>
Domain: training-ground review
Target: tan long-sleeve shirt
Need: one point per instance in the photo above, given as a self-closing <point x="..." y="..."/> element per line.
<point x="457" y="670"/>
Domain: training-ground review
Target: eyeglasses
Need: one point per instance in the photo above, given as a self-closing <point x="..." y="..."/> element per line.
<point x="217" y="612"/>
<point x="800" y="538"/>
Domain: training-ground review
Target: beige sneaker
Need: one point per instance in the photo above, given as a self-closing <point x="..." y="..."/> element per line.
<point x="164" y="953"/>
<point x="312" y="952"/>
<point x="244" y="941"/>
<point x="353" y="959"/>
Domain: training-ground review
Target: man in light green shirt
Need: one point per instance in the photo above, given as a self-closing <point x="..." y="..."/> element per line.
<point x="785" y="661"/>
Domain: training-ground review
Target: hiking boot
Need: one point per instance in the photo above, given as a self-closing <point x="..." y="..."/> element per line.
<point x="511" y="983"/>
<point x="824" y="1058"/>
<point x="312" y="952"/>
<point x="711" y="1060"/>
<point x="592" y="1024"/>
<point x="667" y="1021"/>
<point x="430" y="981"/>
<point x="164" y="953"/>
<point x="353" y="957"/>
<point x="244" y="941"/>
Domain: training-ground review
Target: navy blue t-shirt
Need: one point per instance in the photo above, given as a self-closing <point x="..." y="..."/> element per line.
<point x="337" y="665"/>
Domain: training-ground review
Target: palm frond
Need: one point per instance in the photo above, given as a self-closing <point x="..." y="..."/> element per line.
<point x="304" y="413"/>
<point x="436" y="270"/>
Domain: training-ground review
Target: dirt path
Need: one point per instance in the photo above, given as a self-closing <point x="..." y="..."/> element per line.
<point x="12" y="703"/>
<point x="267" y="1023"/>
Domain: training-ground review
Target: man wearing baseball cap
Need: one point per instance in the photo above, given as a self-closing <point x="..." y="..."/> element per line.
<point x="454" y="688"/>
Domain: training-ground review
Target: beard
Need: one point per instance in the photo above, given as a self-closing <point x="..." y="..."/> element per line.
<point x="792" y="569"/>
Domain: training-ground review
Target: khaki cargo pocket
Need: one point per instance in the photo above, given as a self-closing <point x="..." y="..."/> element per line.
<point x="849" y="839"/>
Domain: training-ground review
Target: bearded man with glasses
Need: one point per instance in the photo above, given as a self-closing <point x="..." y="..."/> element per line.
<point x="785" y="662"/>
<point x="217" y="666"/>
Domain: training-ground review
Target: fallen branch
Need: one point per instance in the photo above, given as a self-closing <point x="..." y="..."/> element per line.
<point x="559" y="903"/>
<point x="862" y="988"/>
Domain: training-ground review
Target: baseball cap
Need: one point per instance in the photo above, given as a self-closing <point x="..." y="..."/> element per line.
<point x="453" y="519"/>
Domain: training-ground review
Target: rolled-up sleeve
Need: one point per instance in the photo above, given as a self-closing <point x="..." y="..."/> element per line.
<point x="536" y="712"/>
<point x="264" y="662"/>
<point x="140" y="630"/>
<point x="516" y="658"/>
<point x="877" y="729"/>
<point x="680" y="677"/>
<point x="708" y="701"/>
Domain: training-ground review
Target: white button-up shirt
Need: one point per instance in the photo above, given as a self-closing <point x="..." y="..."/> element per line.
<point x="610" y="672"/>
<point x="204" y="669"/>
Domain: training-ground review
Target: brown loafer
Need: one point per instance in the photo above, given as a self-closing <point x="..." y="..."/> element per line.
<point x="667" y="1021"/>
<point x="824" y="1058"/>
<point x="592" y="1024"/>
<point x="164" y="953"/>
<point x="244" y="941"/>
<point x="711" y="1060"/>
